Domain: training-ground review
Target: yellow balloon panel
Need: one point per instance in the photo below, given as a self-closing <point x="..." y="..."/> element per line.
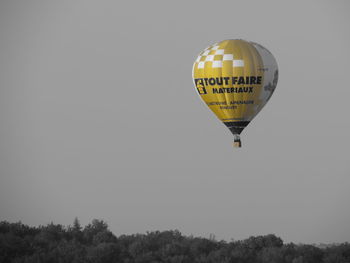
<point x="229" y="76"/>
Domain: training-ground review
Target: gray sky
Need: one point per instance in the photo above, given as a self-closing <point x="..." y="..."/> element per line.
<point x="100" y="119"/>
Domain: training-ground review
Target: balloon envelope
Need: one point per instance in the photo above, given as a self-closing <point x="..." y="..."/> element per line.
<point x="235" y="78"/>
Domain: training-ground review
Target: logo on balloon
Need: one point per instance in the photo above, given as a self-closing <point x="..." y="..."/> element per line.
<point x="201" y="89"/>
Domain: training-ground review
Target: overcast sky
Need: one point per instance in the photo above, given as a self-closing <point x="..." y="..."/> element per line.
<point x="99" y="119"/>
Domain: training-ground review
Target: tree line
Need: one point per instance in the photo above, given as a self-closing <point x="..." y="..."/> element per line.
<point x="95" y="243"/>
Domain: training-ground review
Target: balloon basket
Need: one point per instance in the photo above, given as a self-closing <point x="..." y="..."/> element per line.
<point x="237" y="141"/>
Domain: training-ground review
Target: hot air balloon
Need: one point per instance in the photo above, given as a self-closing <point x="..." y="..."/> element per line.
<point x="235" y="78"/>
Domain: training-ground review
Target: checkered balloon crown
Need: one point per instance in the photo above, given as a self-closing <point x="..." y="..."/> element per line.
<point x="215" y="57"/>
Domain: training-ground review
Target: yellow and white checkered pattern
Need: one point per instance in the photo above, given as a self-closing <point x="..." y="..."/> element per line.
<point x="216" y="56"/>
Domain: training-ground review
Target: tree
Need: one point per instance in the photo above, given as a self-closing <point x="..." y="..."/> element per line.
<point x="76" y="225"/>
<point x="92" y="229"/>
<point x="95" y="243"/>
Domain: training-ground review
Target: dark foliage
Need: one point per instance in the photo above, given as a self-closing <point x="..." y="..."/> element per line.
<point x="95" y="243"/>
